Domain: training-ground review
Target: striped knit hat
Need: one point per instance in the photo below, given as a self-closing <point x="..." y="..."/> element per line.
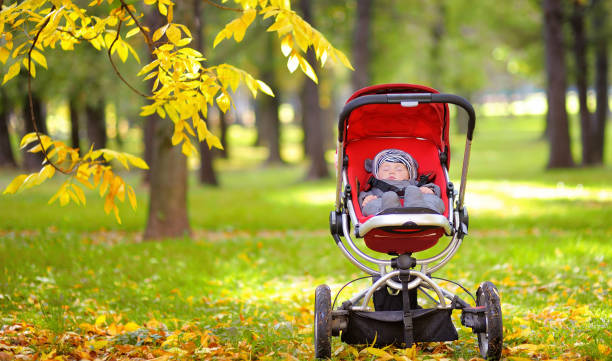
<point x="395" y="156"/>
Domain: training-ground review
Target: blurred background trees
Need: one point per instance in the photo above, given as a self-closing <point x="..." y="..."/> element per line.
<point x="499" y="55"/>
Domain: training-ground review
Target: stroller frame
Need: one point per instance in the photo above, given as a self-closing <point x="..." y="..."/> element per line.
<point x="355" y="320"/>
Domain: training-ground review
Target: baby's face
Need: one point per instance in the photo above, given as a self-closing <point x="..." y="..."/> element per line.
<point x="393" y="171"/>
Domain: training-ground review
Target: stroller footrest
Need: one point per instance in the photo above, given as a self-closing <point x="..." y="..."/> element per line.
<point x="405" y="221"/>
<point x="387" y="327"/>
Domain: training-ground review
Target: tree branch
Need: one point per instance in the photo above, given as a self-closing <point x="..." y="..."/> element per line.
<point x="223" y="7"/>
<point x="76" y="37"/>
<point x="32" y="117"/>
<point x="110" y="58"/>
<point x="142" y="30"/>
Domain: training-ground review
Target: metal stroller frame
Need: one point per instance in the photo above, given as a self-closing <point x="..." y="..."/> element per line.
<point x="354" y="319"/>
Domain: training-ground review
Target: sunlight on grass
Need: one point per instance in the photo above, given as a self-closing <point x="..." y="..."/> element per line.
<point x="244" y="285"/>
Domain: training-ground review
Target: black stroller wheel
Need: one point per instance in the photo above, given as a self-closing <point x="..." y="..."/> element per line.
<point x="490" y="342"/>
<point x="322" y="322"/>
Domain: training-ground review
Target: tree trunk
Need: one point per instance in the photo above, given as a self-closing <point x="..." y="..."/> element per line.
<point x="311" y="112"/>
<point x="269" y="130"/>
<point x="168" y="187"/>
<point x="207" y="171"/>
<point x="33" y="161"/>
<point x="438" y="31"/>
<point x="96" y="125"/>
<point x="559" y="143"/>
<point x="601" y="81"/>
<point x="168" y="175"/>
<point x="361" y="45"/>
<point x="223" y="153"/>
<point x="148" y="134"/>
<point x="74" y="123"/>
<point x="580" y="48"/>
<point x="7" y="159"/>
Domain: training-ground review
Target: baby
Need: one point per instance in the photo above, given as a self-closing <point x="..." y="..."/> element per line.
<point x="395" y="171"/>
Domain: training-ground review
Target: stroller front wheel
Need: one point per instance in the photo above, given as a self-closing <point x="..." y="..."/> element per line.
<point x="490" y="342"/>
<point x="322" y="322"/>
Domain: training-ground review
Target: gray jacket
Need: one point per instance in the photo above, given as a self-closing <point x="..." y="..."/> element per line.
<point x="412" y="196"/>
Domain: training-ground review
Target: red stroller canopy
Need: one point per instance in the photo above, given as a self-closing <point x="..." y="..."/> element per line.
<point x="425" y="120"/>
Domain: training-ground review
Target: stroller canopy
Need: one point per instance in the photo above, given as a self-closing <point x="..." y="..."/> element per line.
<point x="426" y="120"/>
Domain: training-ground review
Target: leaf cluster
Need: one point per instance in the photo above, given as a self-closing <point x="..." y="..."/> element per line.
<point x="183" y="84"/>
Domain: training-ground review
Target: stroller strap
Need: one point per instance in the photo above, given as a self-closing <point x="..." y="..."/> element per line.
<point x="386" y="187"/>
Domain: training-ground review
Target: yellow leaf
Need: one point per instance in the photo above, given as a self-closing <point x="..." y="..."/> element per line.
<point x="248" y="16"/>
<point x="188" y="149"/>
<point x="112" y="330"/>
<point x="224" y="102"/>
<point x="344" y="60"/>
<point x="73" y="196"/>
<point x="265" y="88"/>
<point x="170" y="15"/>
<point x="100" y="320"/>
<point x="173" y="33"/>
<point x="27" y="139"/>
<point x="131" y="327"/>
<point x="147" y="68"/>
<point x="116" y="210"/>
<point x="308" y="70"/>
<point x="136" y="161"/>
<point x="132" y="197"/>
<point x="177" y="137"/>
<point x="108" y="176"/>
<point x="12" y="72"/>
<point x="220" y="37"/>
<point x="59" y="193"/>
<point x="4" y="54"/>
<point x="159" y="32"/>
<point x="39" y="58"/>
<point x="122" y="50"/>
<point x="99" y="344"/>
<point x="162" y="8"/>
<point x="79" y="193"/>
<point x="379" y="353"/>
<point x="287" y="44"/>
<point x="183" y="42"/>
<point x="132" y="32"/>
<point x="15" y="184"/>
<point x="213" y="141"/>
<point x="293" y="62"/>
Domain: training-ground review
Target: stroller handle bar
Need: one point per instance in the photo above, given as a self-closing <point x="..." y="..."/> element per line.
<point x="408" y="100"/>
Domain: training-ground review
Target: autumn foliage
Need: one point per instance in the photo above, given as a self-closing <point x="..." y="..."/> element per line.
<point x="184" y="84"/>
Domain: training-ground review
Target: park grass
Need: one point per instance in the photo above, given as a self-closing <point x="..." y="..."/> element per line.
<point x="261" y="246"/>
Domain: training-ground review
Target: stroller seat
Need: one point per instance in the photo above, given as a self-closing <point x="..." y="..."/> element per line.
<point x="400" y="230"/>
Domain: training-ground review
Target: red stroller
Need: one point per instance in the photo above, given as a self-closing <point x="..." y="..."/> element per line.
<point x="414" y="119"/>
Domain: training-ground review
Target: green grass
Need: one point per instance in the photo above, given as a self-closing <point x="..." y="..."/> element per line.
<point x="261" y="246"/>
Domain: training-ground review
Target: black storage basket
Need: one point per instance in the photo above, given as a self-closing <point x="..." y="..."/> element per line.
<point x="387" y="327"/>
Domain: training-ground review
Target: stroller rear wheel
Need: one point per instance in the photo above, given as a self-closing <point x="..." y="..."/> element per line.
<point x="490" y="342"/>
<point x="322" y="322"/>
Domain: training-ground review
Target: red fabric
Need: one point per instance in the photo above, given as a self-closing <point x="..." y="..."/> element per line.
<point x="421" y="131"/>
<point x="424" y="151"/>
<point x="412" y="241"/>
<point x="428" y="120"/>
<point x="426" y="154"/>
